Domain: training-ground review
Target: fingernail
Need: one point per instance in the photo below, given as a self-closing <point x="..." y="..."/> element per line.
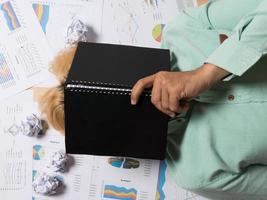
<point x="133" y="102"/>
<point x="172" y="115"/>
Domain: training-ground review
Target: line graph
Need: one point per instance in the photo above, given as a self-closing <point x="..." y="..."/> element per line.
<point x="10" y="16"/>
<point x="125" y="20"/>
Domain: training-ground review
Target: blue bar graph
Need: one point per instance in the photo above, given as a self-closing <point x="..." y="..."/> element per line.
<point x="5" y="73"/>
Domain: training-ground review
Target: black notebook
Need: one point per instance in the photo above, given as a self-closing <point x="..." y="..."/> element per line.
<point x="99" y="117"/>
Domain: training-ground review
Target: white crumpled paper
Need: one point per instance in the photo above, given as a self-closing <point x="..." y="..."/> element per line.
<point x="46" y="184"/>
<point x="32" y="126"/>
<point x="59" y="162"/>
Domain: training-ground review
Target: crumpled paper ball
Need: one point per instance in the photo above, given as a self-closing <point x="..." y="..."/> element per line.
<point x="78" y="31"/>
<point x="46" y="184"/>
<point x="59" y="162"/>
<point x="32" y="126"/>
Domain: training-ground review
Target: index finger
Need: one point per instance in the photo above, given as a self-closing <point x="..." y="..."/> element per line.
<point x="138" y="88"/>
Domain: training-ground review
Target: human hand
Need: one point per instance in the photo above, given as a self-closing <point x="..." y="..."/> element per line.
<point x="170" y="90"/>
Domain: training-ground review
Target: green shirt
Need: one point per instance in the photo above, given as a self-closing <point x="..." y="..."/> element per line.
<point x="219" y="150"/>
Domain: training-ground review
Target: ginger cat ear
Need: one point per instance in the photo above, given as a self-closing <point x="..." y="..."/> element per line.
<point x="61" y="64"/>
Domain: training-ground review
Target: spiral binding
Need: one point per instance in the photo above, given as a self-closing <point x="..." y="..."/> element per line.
<point x="101" y="90"/>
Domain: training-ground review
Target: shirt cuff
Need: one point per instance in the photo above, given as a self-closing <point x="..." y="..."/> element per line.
<point x="234" y="57"/>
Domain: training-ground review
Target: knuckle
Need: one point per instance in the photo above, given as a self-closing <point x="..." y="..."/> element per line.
<point x="161" y="74"/>
<point x="164" y="83"/>
<point x="140" y="82"/>
<point x="134" y="92"/>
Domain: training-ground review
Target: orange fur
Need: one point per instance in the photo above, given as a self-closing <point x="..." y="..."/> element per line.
<point x="62" y="63"/>
<point x="52" y="105"/>
<point x="51" y="101"/>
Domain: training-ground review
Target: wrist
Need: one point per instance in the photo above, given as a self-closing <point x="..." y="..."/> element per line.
<point x="212" y="73"/>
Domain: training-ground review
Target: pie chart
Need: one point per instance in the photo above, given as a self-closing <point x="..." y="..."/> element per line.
<point x="38" y="152"/>
<point x="157" y="32"/>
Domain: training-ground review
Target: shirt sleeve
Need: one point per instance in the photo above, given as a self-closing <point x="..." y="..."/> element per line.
<point x="246" y="45"/>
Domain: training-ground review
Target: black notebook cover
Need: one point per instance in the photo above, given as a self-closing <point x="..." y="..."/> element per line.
<point x="99" y="117"/>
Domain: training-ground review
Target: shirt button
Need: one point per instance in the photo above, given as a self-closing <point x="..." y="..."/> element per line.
<point x="231" y="97"/>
